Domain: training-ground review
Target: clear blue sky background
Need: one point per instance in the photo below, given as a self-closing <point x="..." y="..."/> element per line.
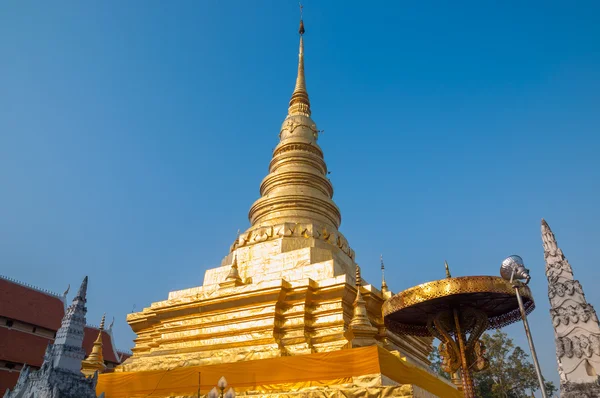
<point x="134" y="136"/>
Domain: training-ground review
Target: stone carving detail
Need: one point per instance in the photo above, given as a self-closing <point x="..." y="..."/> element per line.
<point x="556" y="269"/>
<point x="568" y="288"/>
<point x="573" y="314"/>
<point x="578" y="346"/>
<point x="580" y="390"/>
<point x="576" y="328"/>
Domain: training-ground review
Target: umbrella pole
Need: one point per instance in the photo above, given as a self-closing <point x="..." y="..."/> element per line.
<point x="468" y="387"/>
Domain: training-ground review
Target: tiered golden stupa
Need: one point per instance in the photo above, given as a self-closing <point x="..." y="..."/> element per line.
<point x="286" y="314"/>
<point x="95" y="361"/>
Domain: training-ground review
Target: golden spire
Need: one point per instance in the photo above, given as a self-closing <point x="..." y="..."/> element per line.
<point x="360" y="312"/>
<point x="97" y="349"/>
<point x="384" y="286"/>
<point x="299" y="103"/>
<point x="362" y="330"/>
<point x="233" y="272"/>
<point x="233" y="277"/>
<point x="297" y="189"/>
<point x="447" y="269"/>
<point x="95" y="361"/>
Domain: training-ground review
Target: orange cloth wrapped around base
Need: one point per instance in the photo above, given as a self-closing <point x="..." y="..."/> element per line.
<point x="276" y="376"/>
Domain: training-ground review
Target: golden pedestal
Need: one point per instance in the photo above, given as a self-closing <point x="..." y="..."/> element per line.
<point x="358" y="372"/>
<point x="286" y="331"/>
<point x="296" y="298"/>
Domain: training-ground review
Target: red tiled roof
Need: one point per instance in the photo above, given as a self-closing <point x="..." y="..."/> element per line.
<point x="29" y="305"/>
<point x="7" y="380"/>
<point x="21" y="347"/>
<point x="89" y="336"/>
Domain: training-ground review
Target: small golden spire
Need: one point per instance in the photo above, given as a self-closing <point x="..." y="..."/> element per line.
<point x="447" y="269"/>
<point x="233" y="278"/>
<point x="299" y="103"/>
<point x="384" y="286"/>
<point x="233" y="272"/>
<point x="362" y="330"/>
<point x="95" y="361"/>
<point x="359" y="301"/>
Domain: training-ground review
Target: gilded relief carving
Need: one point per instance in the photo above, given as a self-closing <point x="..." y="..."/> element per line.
<point x="285" y="230"/>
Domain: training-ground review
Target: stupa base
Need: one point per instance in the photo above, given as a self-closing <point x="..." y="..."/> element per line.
<point x="359" y="372"/>
<point x="405" y="391"/>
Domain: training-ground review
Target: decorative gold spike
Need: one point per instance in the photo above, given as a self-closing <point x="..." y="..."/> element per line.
<point x="233" y="278"/>
<point x="301" y="30"/>
<point x="95" y="361"/>
<point x="359" y="301"/>
<point x="447" y="269"/>
<point x="233" y="272"/>
<point x="384" y="286"/>
<point x="299" y="103"/>
<point x="360" y="325"/>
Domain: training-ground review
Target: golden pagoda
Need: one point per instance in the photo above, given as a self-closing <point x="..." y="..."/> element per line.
<point x="95" y="361"/>
<point x="287" y="313"/>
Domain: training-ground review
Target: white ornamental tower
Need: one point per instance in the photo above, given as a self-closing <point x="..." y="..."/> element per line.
<point x="576" y="329"/>
<point x="68" y="352"/>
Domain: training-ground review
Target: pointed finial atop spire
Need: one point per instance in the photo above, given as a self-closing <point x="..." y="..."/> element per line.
<point x="384" y="286"/>
<point x="548" y="239"/>
<point x="102" y="321"/>
<point x="81" y="293"/>
<point x="299" y="103"/>
<point x="447" y="269"/>
<point x="358" y="278"/>
<point x="301" y="29"/>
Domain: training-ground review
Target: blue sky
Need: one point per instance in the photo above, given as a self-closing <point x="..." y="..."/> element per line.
<point x="134" y="136"/>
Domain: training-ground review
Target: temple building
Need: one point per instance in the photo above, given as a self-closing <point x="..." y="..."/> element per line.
<point x="286" y="312"/>
<point x="29" y="320"/>
<point x="576" y="328"/>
